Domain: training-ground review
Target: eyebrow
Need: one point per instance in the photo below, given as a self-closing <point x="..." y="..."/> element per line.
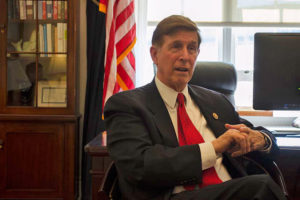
<point x="180" y="41"/>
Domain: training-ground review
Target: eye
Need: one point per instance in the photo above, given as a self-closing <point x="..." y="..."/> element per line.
<point x="192" y="48"/>
<point x="177" y="46"/>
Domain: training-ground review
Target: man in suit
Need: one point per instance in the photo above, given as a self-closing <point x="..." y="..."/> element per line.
<point x="159" y="154"/>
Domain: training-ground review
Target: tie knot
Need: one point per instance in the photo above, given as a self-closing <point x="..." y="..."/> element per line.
<point x="180" y="99"/>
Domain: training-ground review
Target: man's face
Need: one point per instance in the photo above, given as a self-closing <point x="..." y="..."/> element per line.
<point x="175" y="58"/>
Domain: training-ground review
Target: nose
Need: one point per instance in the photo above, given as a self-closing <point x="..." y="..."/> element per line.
<point x="184" y="54"/>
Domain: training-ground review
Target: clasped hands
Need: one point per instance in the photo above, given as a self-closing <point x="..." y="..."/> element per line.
<point x="239" y="140"/>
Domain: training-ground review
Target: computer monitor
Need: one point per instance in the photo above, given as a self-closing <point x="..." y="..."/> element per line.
<point x="276" y="81"/>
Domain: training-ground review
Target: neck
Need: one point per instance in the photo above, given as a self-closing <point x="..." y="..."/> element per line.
<point x="176" y="87"/>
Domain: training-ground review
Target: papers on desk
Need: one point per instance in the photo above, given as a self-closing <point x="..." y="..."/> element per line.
<point x="288" y="141"/>
<point x="283" y="130"/>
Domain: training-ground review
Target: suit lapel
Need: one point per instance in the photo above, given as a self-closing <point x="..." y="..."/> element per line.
<point x="210" y="112"/>
<point x="216" y="123"/>
<point x="161" y="116"/>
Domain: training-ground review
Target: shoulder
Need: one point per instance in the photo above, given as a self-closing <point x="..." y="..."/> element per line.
<point x="134" y="94"/>
<point x="209" y="96"/>
<point x="204" y="91"/>
<point x="134" y="97"/>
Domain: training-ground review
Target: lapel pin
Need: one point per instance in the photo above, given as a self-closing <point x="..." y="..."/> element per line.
<point x="215" y="116"/>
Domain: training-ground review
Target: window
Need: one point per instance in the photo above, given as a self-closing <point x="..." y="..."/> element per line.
<point x="227" y="29"/>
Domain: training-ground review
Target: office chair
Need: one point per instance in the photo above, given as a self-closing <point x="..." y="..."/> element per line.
<point x="220" y="77"/>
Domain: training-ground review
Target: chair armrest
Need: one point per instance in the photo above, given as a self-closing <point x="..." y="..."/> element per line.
<point x="273" y="170"/>
<point x="109" y="188"/>
<point x="276" y="174"/>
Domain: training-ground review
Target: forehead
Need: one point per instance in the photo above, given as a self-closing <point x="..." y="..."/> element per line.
<point x="181" y="36"/>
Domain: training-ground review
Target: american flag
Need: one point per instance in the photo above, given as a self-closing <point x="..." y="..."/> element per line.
<point x="119" y="72"/>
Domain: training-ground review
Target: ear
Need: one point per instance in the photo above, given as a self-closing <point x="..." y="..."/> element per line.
<point x="153" y="52"/>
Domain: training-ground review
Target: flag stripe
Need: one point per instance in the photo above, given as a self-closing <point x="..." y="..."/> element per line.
<point x="122" y="56"/>
<point x="121" y="5"/>
<point x="128" y="68"/>
<point x="123" y="28"/>
<point x="123" y="45"/>
<point x="117" y="87"/>
<point x="125" y="14"/>
<point x="125" y="79"/>
<point x="121" y="83"/>
<point x="131" y="59"/>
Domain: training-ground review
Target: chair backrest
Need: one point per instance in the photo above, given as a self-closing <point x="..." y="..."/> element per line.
<point x="217" y="76"/>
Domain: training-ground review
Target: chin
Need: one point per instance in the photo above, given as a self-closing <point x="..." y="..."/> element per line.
<point x="181" y="84"/>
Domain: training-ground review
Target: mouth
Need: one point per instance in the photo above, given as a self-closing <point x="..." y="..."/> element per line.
<point x="181" y="69"/>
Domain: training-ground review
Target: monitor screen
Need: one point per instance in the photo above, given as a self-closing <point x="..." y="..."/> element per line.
<point x="276" y="81"/>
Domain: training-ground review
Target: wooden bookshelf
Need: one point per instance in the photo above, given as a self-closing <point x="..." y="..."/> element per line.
<point x="38" y="101"/>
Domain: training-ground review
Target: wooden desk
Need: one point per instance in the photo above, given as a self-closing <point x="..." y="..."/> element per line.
<point x="100" y="162"/>
<point x="288" y="162"/>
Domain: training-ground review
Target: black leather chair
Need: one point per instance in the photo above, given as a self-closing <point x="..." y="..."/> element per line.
<point x="217" y="76"/>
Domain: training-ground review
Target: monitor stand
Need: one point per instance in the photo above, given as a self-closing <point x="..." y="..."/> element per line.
<point x="296" y="122"/>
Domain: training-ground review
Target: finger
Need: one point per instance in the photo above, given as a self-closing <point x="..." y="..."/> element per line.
<point x="237" y="153"/>
<point x="242" y="140"/>
<point x="234" y="126"/>
<point x="252" y="143"/>
<point x="243" y="143"/>
<point x="246" y="143"/>
<point x="249" y="145"/>
<point x="248" y="139"/>
<point x="246" y="129"/>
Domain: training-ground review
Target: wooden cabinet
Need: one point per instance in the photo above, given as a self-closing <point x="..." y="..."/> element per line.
<point x="38" y="101"/>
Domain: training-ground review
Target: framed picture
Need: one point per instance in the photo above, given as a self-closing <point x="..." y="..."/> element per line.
<point x="52" y="94"/>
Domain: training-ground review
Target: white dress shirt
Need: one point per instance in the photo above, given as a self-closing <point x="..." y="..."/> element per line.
<point x="209" y="157"/>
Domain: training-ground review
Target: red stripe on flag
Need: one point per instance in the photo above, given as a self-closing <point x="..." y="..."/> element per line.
<point x="126" y="79"/>
<point x="125" y="14"/>
<point x="123" y="44"/>
<point x="116" y="88"/>
<point x="131" y="59"/>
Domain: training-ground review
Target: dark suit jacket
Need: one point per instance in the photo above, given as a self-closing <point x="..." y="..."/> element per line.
<point x="142" y="141"/>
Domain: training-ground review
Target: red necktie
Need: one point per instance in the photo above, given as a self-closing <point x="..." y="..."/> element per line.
<point x="189" y="135"/>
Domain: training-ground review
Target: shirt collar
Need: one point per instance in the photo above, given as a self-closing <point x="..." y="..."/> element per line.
<point x="169" y="95"/>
